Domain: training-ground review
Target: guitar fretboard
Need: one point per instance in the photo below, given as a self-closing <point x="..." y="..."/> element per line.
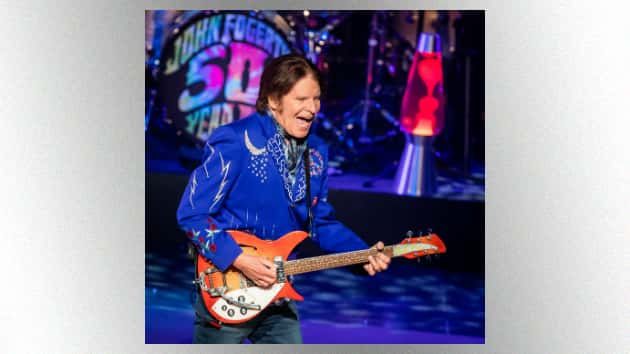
<point x="312" y="264"/>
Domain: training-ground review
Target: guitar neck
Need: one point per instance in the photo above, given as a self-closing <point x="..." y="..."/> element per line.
<point x="312" y="264"/>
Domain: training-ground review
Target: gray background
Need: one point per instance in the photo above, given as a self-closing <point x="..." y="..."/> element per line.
<point x="72" y="191"/>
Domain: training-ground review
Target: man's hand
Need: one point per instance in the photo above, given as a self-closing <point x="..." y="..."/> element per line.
<point x="260" y="270"/>
<point x="378" y="263"/>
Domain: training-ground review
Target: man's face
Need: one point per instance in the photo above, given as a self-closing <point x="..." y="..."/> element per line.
<point x="296" y="110"/>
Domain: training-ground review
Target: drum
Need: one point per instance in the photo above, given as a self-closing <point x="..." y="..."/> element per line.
<point x="210" y="69"/>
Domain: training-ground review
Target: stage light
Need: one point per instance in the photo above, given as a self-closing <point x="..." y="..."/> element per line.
<point x="422" y="118"/>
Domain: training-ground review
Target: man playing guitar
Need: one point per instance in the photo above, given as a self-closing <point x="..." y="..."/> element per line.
<point x="263" y="175"/>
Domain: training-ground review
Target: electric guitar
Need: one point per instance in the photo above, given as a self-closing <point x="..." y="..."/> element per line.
<point x="233" y="298"/>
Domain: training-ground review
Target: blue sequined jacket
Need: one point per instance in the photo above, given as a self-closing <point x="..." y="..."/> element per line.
<point x="243" y="184"/>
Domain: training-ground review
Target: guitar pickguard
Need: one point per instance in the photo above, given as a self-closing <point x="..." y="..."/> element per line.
<point x="253" y="295"/>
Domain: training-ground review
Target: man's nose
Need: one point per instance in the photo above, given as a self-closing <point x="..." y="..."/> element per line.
<point x="312" y="106"/>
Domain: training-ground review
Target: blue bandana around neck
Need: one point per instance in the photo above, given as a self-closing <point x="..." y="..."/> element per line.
<point x="293" y="148"/>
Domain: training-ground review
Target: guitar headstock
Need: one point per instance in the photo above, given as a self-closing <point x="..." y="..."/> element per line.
<point x="414" y="247"/>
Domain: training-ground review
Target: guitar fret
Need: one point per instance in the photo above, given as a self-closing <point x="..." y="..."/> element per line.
<point x="306" y="265"/>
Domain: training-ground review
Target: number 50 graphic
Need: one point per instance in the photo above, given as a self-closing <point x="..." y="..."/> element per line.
<point x="240" y="80"/>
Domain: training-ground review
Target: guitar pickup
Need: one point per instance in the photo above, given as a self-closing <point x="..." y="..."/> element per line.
<point x="282" y="278"/>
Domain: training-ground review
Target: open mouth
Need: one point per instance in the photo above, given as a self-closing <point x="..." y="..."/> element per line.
<point x="307" y="120"/>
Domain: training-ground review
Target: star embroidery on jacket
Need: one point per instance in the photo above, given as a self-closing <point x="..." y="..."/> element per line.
<point x="210" y="233"/>
<point x="210" y="238"/>
<point x="192" y="234"/>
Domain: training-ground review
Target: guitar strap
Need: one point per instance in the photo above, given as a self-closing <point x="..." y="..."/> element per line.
<point x="307" y="173"/>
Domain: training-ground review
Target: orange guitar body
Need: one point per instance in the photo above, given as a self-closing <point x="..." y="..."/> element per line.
<point x="237" y="287"/>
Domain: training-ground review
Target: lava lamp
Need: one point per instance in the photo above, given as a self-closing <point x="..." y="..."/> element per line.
<point x="421" y="118"/>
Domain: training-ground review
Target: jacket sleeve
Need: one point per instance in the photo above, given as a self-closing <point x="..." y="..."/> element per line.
<point x="331" y="234"/>
<point x="202" y="199"/>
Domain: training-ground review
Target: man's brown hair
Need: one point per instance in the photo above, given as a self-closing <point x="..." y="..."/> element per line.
<point x="280" y="75"/>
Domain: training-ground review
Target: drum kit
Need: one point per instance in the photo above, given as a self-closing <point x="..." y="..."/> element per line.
<point x="229" y="49"/>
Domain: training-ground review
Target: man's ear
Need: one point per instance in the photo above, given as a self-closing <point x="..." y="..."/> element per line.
<point x="273" y="103"/>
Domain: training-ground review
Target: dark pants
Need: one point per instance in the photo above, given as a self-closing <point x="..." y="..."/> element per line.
<point x="277" y="324"/>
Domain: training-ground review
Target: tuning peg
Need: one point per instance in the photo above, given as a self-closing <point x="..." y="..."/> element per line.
<point x="409" y="234"/>
<point x="429" y="231"/>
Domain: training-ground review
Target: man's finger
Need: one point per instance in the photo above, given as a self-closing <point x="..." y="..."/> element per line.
<point x="382" y="264"/>
<point x="375" y="264"/>
<point x="368" y="268"/>
<point x="267" y="263"/>
<point x="383" y="258"/>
